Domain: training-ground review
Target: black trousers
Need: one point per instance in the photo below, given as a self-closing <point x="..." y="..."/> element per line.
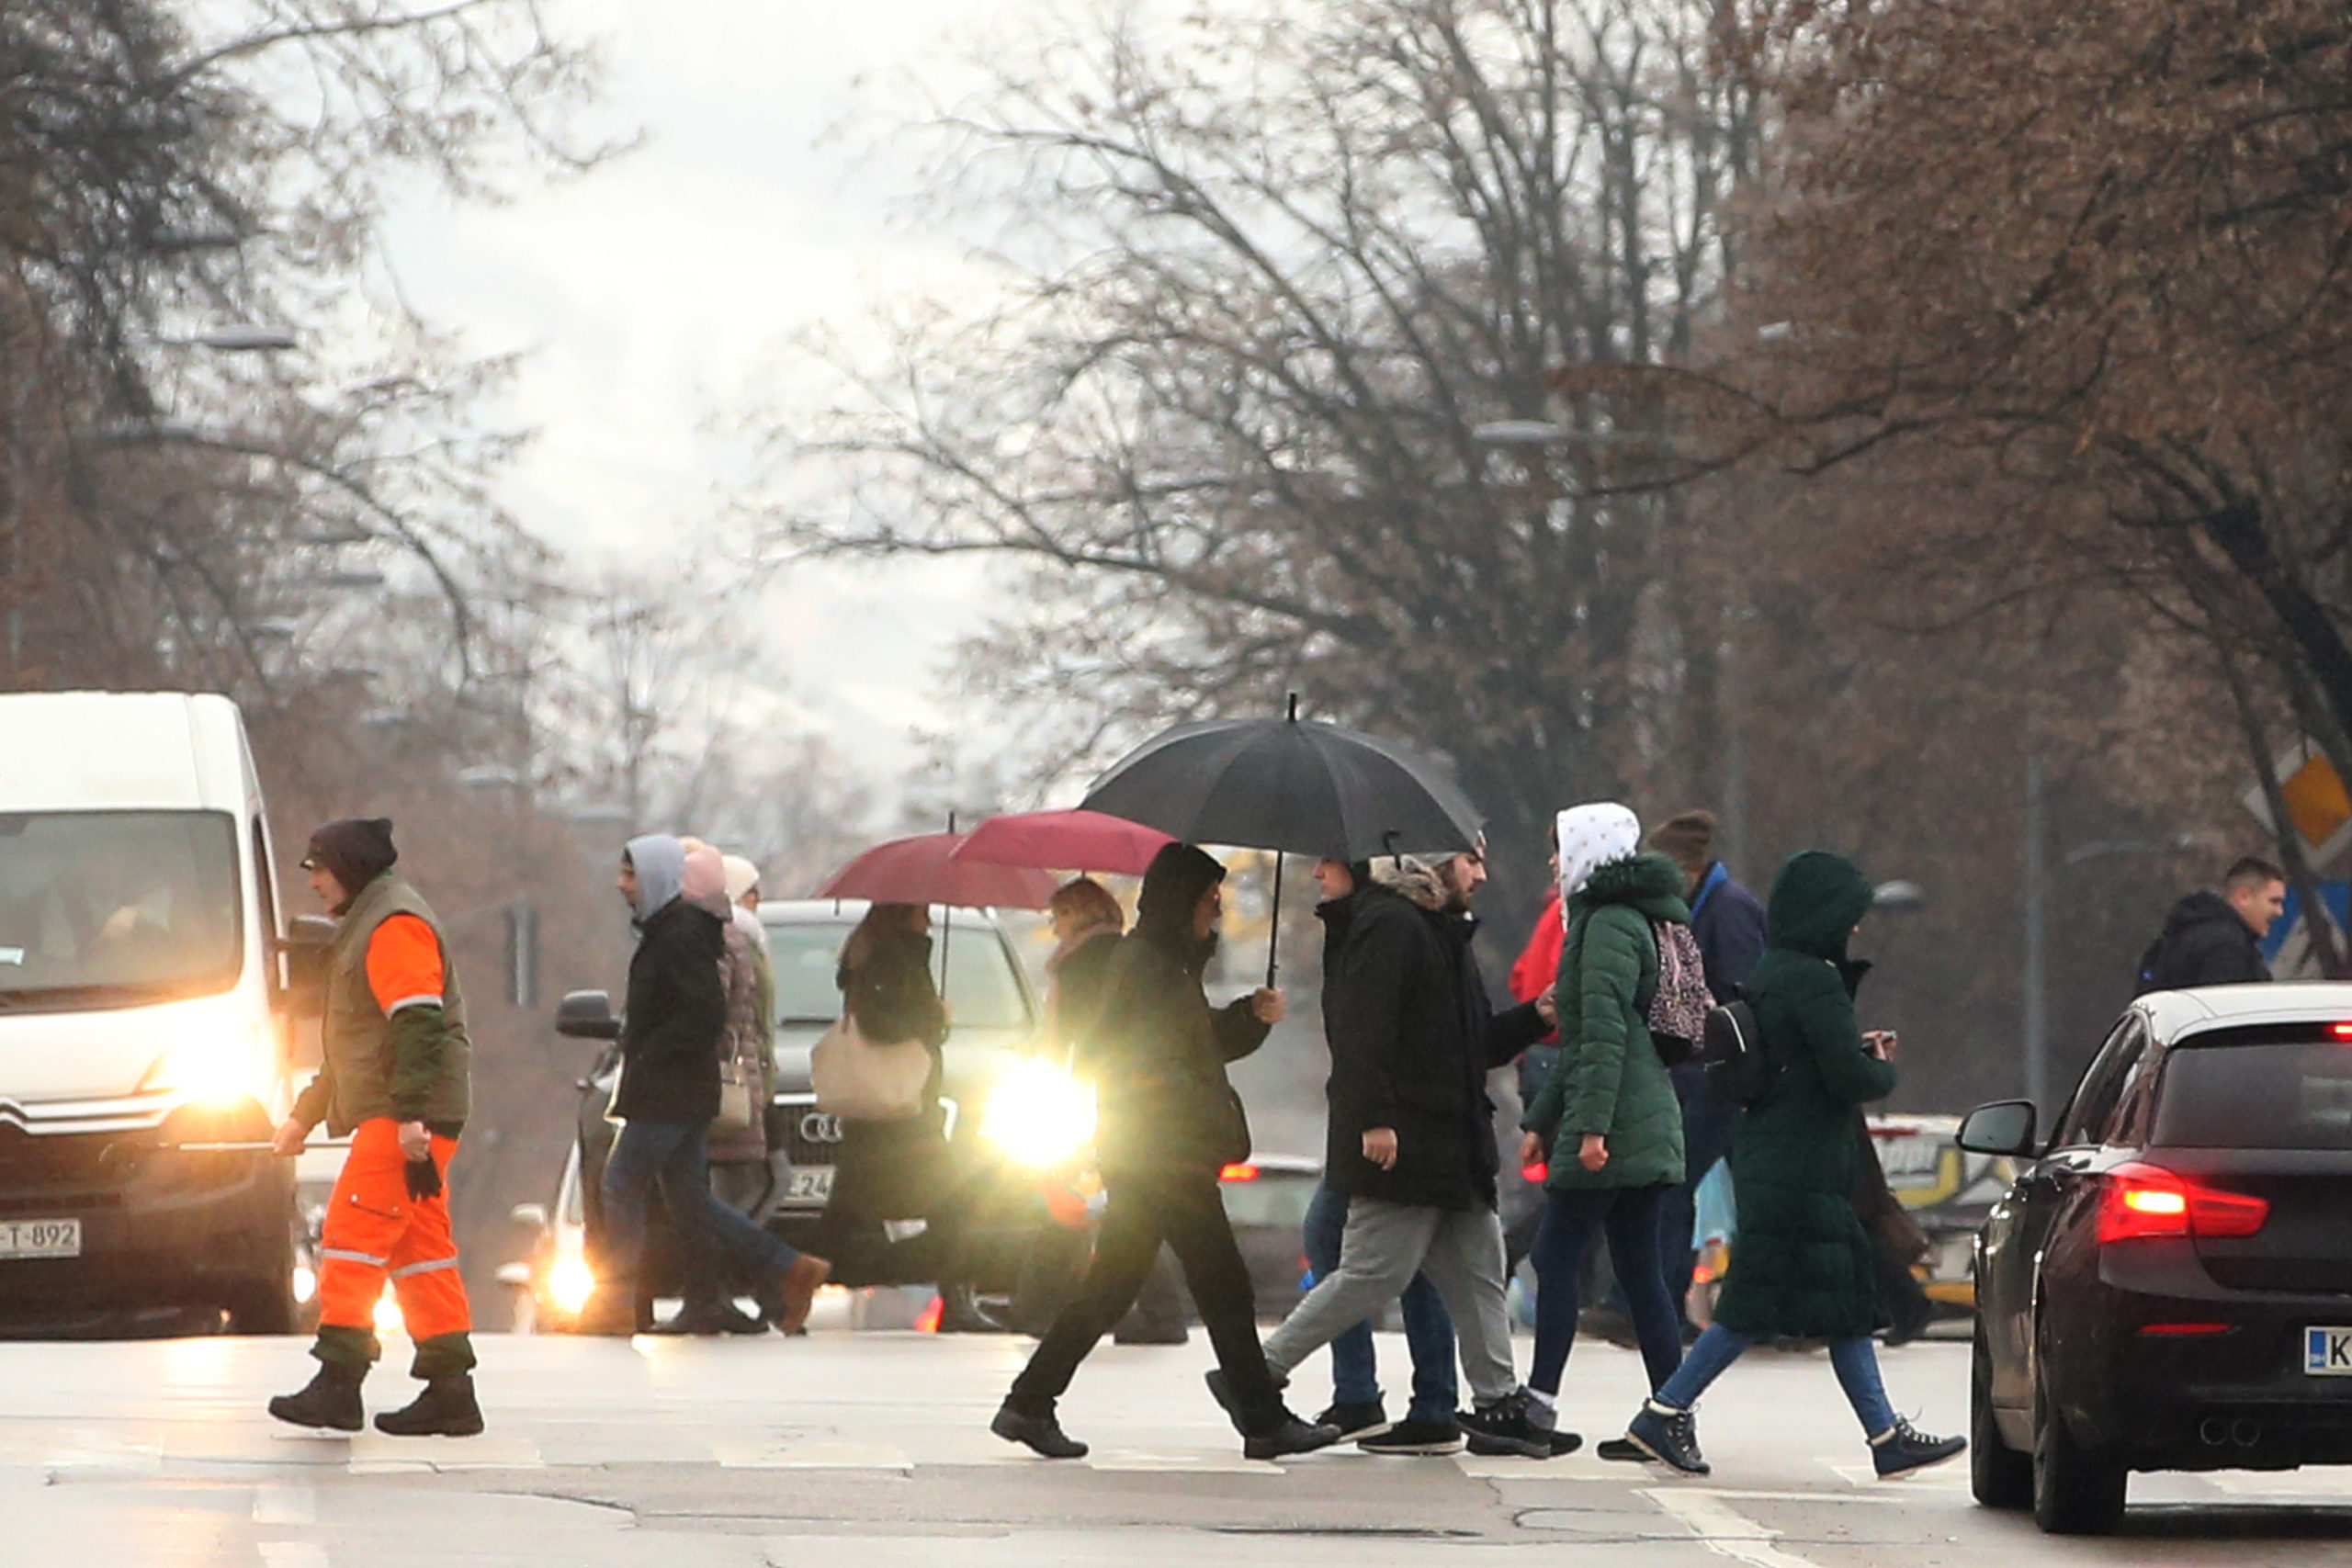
<point x="1184" y="1209"/>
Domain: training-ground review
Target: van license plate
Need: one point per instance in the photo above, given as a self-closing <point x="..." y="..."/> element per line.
<point x="809" y="1184"/>
<point x="2328" y="1352"/>
<point x="41" y="1238"/>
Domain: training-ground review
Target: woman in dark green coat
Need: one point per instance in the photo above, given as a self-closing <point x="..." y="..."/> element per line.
<point x="1801" y="1262"/>
<point x="1606" y="1124"/>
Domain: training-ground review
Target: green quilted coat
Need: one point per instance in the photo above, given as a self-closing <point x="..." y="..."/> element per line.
<point x="1610" y="1078"/>
<point x="1801" y="1262"/>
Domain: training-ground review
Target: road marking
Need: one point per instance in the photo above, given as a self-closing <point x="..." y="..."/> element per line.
<point x="285" y="1506"/>
<point x="293" y="1554"/>
<point x="1726" y="1532"/>
<point x="1199" y="1462"/>
<point x="1943" y="1478"/>
<point x="811" y="1456"/>
<point x="374" y="1455"/>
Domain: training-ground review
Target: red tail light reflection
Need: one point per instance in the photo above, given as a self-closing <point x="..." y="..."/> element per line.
<point x="1536" y="1172"/>
<point x="2142" y="1201"/>
<point x="1237" y="1173"/>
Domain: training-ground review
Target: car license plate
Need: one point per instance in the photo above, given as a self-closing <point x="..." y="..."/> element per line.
<point x="2328" y="1352"/>
<point x="41" y="1238"/>
<point x="809" y="1184"/>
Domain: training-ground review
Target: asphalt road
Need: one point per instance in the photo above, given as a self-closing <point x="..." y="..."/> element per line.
<point x="744" y="1454"/>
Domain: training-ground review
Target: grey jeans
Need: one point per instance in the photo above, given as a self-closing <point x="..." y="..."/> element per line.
<point x="1383" y="1247"/>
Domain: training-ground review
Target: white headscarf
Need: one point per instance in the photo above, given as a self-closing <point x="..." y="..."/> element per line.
<point x="1591" y="837"/>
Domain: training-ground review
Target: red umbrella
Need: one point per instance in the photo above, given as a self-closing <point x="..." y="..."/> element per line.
<point x="1071" y="841"/>
<point x="924" y="870"/>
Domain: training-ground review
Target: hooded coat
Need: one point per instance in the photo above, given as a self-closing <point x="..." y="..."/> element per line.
<point x="676" y="1007"/>
<point x="1412" y="1037"/>
<point x="2204" y="943"/>
<point x="1610" y="1078"/>
<point x="1802" y="1265"/>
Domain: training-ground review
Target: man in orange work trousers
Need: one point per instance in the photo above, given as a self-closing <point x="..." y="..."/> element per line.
<point x="394" y="1075"/>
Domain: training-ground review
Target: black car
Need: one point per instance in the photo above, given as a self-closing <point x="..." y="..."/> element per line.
<point x="2167" y="1284"/>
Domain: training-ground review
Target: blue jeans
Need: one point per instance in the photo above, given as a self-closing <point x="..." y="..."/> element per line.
<point x="672" y="1155"/>
<point x="1629" y="1217"/>
<point x="1429" y="1332"/>
<point x="1854" y="1360"/>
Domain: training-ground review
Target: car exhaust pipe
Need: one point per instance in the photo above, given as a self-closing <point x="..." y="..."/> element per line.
<point x="2245" y="1433"/>
<point x="2214" y="1432"/>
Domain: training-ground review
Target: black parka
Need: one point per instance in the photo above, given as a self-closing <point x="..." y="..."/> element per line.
<point x="1156" y="1052"/>
<point x="676" y="1016"/>
<point x="1412" y="1037"/>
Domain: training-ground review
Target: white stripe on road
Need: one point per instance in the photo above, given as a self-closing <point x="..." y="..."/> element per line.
<point x="285" y="1506"/>
<point x="1726" y="1532"/>
<point x="293" y="1554"/>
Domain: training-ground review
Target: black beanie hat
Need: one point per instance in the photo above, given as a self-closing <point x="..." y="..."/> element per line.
<point x="1173" y="885"/>
<point x="358" y="850"/>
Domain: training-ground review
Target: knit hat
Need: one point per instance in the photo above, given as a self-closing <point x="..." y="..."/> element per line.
<point x="704" y="881"/>
<point x="1592" y="836"/>
<point x="741" y="877"/>
<point x="354" y="849"/>
<point x="1689" y="838"/>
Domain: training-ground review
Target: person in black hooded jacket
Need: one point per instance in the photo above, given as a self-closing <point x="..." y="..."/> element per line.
<point x="2215" y="939"/>
<point x="1168" y="1121"/>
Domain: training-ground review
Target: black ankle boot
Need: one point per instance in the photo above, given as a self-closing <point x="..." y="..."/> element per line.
<point x="330" y="1401"/>
<point x="446" y="1409"/>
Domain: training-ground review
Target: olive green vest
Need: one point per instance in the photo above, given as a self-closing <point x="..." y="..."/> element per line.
<point x="355" y="1037"/>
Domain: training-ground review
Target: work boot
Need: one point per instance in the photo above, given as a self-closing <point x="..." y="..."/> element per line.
<point x="786" y="1299"/>
<point x="1901" y="1450"/>
<point x="446" y="1409"/>
<point x="1503" y="1428"/>
<point x="1669" y="1435"/>
<point x="330" y="1402"/>
<point x="1042" y="1435"/>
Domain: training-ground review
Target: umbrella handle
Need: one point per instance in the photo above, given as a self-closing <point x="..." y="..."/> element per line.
<point x="1274" y="926"/>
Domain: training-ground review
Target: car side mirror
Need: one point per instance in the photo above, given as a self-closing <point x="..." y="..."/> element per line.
<point x="2005" y="1127"/>
<point x="587" y="1015"/>
<point x="305" y="949"/>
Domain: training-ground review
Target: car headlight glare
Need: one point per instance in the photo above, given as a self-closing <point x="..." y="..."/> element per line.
<point x="570" y="1283"/>
<point x="1038" y="1114"/>
<point x="217" y="1068"/>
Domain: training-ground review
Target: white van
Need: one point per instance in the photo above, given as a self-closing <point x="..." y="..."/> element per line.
<point x="145" y="1019"/>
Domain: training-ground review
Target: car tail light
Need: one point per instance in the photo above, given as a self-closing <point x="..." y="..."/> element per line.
<point x="2141" y="1201"/>
<point x="1237" y="1173"/>
<point x="2182" y="1330"/>
<point x="2341" y="1031"/>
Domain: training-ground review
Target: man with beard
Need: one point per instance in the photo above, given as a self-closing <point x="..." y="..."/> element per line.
<point x="1168" y="1122"/>
<point x="1412" y="1145"/>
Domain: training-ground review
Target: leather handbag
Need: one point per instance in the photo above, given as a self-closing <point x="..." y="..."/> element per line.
<point x="737" y="1098"/>
<point x="859" y="1079"/>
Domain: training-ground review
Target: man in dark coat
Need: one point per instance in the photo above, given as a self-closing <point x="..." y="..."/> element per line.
<point x="1168" y="1123"/>
<point x="1728" y="921"/>
<point x="1802" y="1265"/>
<point x="668" y="1093"/>
<point x="2215" y="939"/>
<point x="1412" y="1142"/>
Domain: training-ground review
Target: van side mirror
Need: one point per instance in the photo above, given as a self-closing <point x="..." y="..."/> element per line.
<point x="2005" y="1127"/>
<point x="305" y="947"/>
<point x="587" y="1015"/>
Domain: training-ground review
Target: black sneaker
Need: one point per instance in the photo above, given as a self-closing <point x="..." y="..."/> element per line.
<point x="446" y="1409"/>
<point x="1416" y="1437"/>
<point x="1221" y="1390"/>
<point x="1900" y="1450"/>
<point x="1292" y="1437"/>
<point x="330" y="1401"/>
<point x="1356" y="1420"/>
<point x="1621" y="1450"/>
<point x="1042" y="1434"/>
<point x="1502" y="1427"/>
<point x="1564" y="1443"/>
<point x="1669" y="1435"/>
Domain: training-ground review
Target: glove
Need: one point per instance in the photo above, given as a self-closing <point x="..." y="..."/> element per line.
<point x="423" y="1179"/>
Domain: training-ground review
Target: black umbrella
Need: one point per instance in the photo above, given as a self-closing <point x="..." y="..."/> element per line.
<point x="1292" y="787"/>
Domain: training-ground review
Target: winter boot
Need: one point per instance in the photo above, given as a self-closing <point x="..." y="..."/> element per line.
<point x="1901" y="1450"/>
<point x="1503" y="1428"/>
<point x="1669" y="1435"/>
<point x="786" y="1300"/>
<point x="446" y="1409"/>
<point x="1041" y="1434"/>
<point x="330" y="1402"/>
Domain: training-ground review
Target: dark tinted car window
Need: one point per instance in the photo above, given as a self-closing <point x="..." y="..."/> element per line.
<point x="2276" y="1096"/>
<point x="2087" y="1119"/>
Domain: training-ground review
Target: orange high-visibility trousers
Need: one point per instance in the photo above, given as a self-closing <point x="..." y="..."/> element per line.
<point x="374" y="1229"/>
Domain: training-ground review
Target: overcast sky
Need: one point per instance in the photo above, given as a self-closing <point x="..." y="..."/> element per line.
<point x="652" y="296"/>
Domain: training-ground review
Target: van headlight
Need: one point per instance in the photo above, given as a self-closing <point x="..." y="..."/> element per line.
<point x="218" y="1067"/>
<point x="1038" y="1114"/>
<point x="570" y="1282"/>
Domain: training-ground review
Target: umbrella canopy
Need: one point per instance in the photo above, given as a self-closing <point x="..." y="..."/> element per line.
<point x="1278" y="783"/>
<point x="1073" y="841"/>
<point x="926" y="870"/>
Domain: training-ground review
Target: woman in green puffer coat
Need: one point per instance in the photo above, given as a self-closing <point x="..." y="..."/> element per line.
<point x="1607" y="1123"/>
<point x="1801" y="1266"/>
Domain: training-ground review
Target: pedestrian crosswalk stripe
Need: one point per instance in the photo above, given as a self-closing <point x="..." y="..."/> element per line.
<point x="1723" y="1530"/>
<point x="810" y="1456"/>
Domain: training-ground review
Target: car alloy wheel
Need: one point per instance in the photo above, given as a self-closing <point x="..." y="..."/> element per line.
<point x="2076" y="1490"/>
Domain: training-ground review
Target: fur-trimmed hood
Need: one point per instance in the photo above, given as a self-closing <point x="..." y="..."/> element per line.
<point x="1413" y="877"/>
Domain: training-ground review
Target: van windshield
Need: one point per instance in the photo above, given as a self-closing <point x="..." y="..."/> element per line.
<point x="102" y="907"/>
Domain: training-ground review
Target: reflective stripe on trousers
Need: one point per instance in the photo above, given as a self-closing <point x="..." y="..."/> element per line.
<point x="374" y="1231"/>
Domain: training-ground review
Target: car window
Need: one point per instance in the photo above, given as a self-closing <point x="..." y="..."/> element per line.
<point x="983" y="989"/>
<point x="1272" y="1200"/>
<point x="805" y="958"/>
<point x="2086" y="1118"/>
<point x="2135" y="1106"/>
<point x="2283" y="1095"/>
